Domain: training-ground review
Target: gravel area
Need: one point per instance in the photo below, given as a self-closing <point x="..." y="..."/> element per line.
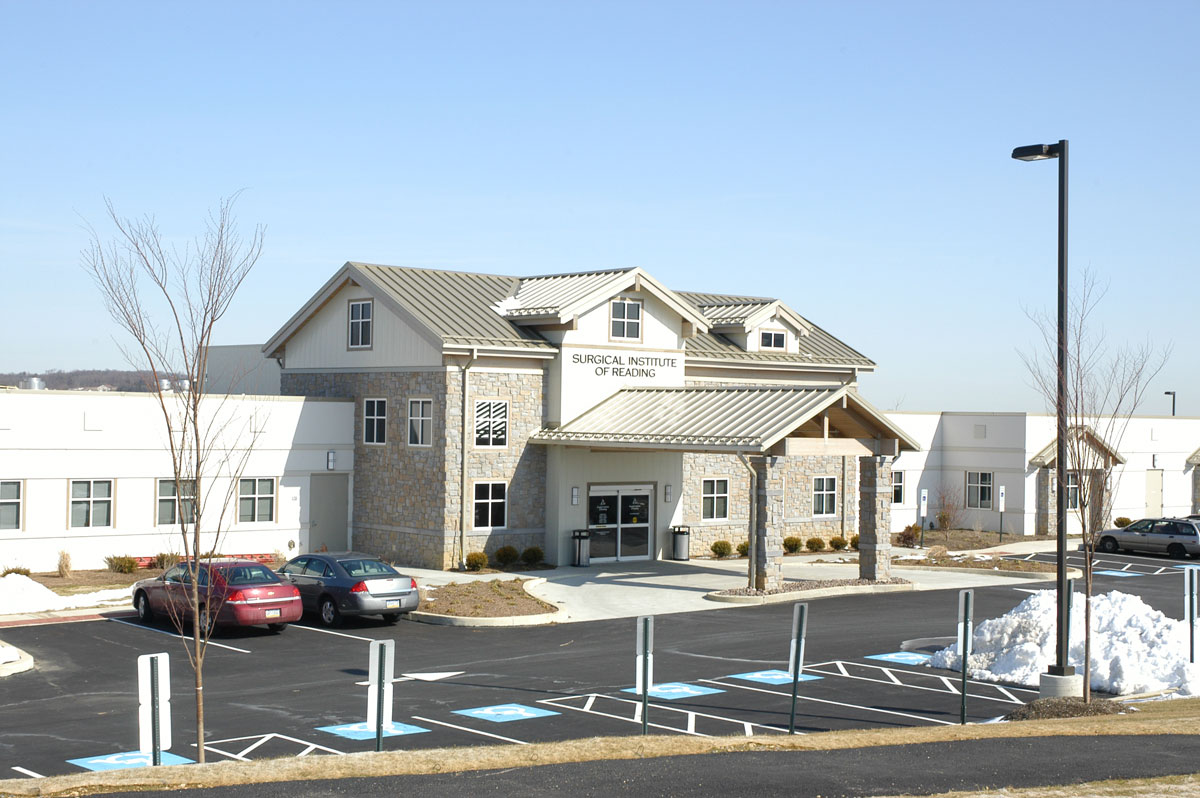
<point x="810" y="584"/>
<point x="1045" y="708"/>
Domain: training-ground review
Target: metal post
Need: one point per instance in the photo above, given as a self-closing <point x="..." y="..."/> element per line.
<point x="379" y="701"/>
<point x="645" y="676"/>
<point x="1190" y="607"/>
<point x="965" y="599"/>
<point x="1061" y="668"/>
<point x="155" y="731"/>
<point x="799" y="632"/>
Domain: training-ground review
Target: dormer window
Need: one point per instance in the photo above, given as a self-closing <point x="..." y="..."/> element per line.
<point x="626" y="319"/>
<point x="772" y="340"/>
<point x="360" y="325"/>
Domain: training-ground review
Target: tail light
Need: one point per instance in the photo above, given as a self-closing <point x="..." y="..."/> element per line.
<point x="413" y="583"/>
<point x="361" y="587"/>
<point x="295" y="591"/>
<point x="236" y="597"/>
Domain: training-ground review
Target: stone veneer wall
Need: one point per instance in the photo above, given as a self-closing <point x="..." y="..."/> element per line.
<point x="1196" y="489"/>
<point x="698" y="467"/>
<point x="875" y="506"/>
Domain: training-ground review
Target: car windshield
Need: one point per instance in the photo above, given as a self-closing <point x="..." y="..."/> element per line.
<point x="367" y="568"/>
<point x="249" y="575"/>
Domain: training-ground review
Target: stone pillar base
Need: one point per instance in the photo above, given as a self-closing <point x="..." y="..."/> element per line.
<point x="1051" y="686"/>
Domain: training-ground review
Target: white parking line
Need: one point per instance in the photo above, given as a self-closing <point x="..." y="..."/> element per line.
<point x="331" y="632"/>
<point x="28" y="773"/>
<point x="259" y="740"/>
<point x="587" y="708"/>
<point x="835" y="703"/>
<point x="178" y="636"/>
<point x="472" y="731"/>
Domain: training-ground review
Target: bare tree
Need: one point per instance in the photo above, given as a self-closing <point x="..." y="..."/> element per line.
<point x="1105" y="387"/>
<point x="169" y="300"/>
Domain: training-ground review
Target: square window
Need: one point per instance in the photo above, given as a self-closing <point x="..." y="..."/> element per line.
<point x="714" y="500"/>
<point x="491" y="424"/>
<point x="626" y="319"/>
<point x="979" y="490"/>
<point x="91" y="502"/>
<point x="256" y="500"/>
<point x="772" y="340"/>
<point x="359" y="324"/>
<point x="490" y="505"/>
<point x="176" y="506"/>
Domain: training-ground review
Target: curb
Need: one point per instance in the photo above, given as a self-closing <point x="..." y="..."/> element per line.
<point x="23" y="663"/>
<point x="801" y="595"/>
<point x="1032" y="576"/>
<point x="541" y="619"/>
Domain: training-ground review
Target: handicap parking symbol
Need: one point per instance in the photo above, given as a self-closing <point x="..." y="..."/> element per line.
<point x="131" y="759"/>
<point x="505" y="713"/>
<point x="671" y="691"/>
<point x="362" y="731"/>
<point x="901" y="657"/>
<point x="1117" y="573"/>
<point x="771" y="677"/>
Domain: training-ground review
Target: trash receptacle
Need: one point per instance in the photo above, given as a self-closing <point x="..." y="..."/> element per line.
<point x="681" y="538"/>
<point x="583" y="548"/>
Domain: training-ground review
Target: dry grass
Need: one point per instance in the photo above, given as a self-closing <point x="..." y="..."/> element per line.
<point x="969" y="561"/>
<point x="496" y="598"/>
<point x="1162" y="717"/>
<point x="88" y="581"/>
<point x="969" y="539"/>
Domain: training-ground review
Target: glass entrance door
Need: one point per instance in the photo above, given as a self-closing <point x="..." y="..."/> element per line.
<point x="619" y="519"/>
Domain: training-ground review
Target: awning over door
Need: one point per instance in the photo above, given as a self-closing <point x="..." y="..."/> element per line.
<point x="727" y="419"/>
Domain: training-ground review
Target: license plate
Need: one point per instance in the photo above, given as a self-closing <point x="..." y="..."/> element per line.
<point x="393" y="604"/>
<point x="272" y="613"/>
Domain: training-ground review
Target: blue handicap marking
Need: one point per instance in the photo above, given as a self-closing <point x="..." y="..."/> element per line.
<point x="901" y="657"/>
<point x="361" y="731"/>
<point x="1188" y="565"/>
<point x="131" y="759"/>
<point x="772" y="677"/>
<point x="1117" y="573"/>
<point x="505" y="713"/>
<point x="673" y="690"/>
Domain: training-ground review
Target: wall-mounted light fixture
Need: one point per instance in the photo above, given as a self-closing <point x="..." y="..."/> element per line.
<point x="575" y="495"/>
<point x="330" y="460"/>
<point x="667" y="494"/>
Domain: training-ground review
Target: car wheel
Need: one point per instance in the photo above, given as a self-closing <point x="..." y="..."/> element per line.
<point x="329" y="612"/>
<point x="206" y="623"/>
<point x="391" y="617"/>
<point x="1176" y="551"/>
<point x="1108" y="545"/>
<point x="141" y="603"/>
<point x="277" y="627"/>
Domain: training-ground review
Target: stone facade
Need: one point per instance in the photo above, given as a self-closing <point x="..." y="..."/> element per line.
<point x="768" y="543"/>
<point x="1196" y="489"/>
<point x="875" y="507"/>
<point x="1046" y="520"/>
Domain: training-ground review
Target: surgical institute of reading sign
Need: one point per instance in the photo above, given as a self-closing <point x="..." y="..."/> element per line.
<point x="591" y="374"/>
<point x="625" y="365"/>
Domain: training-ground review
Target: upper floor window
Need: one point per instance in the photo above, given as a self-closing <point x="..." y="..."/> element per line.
<point x="176" y="506"/>
<point x="714" y="499"/>
<point x="979" y="490"/>
<point x="360" y="324"/>
<point x="10" y="505"/>
<point x="897" y="487"/>
<point x="627" y="319"/>
<point x="91" y="502"/>
<point x="420" y="422"/>
<point x="491" y="423"/>
<point x="772" y="340"/>
<point x="824" y="496"/>
<point x="375" y="421"/>
<point x="256" y="500"/>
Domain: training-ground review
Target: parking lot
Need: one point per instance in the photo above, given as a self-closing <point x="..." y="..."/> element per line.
<point x="304" y="693"/>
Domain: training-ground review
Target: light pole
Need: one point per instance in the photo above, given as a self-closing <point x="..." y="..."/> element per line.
<point x="1172" y="395"/>
<point x="1060" y="669"/>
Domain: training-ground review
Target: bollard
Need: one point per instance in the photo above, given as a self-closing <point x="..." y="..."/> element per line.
<point x="965" y="599"/>
<point x="796" y="660"/>
<point x="644" y="665"/>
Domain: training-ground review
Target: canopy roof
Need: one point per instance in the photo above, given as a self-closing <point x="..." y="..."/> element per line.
<point x="1048" y="456"/>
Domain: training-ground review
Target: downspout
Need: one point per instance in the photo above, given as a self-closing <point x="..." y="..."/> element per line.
<point x="462" y="488"/>
<point x="753" y="551"/>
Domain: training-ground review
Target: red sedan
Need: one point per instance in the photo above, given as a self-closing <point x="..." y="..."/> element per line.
<point x="232" y="593"/>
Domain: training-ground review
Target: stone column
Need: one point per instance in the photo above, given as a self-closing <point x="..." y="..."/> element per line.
<point x="1196" y="489"/>
<point x="768" y="540"/>
<point x="874" y="503"/>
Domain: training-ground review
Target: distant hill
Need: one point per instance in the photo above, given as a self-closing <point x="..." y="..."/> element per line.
<point x="85" y="378"/>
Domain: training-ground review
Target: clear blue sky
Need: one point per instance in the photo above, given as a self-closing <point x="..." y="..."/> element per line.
<point x="851" y="158"/>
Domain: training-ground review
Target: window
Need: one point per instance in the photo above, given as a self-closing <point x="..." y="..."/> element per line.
<point x="360" y="325"/>
<point x="489" y="505"/>
<point x="420" y="422"/>
<point x="627" y="319"/>
<point x="10" y="505"/>
<point x="1072" y="478"/>
<point x="491" y="423"/>
<point x="256" y="500"/>
<point x="714" y="499"/>
<point x="375" y="421"/>
<point x="979" y="490"/>
<point x="772" y="340"/>
<point x="897" y="487"/>
<point x="176" y="507"/>
<point x="91" y="502"/>
<point x="824" y="496"/>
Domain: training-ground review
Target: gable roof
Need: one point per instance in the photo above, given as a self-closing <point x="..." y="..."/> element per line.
<point x="1194" y="458"/>
<point x="1048" y="456"/>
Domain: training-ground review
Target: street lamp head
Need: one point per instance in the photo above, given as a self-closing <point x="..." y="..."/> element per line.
<point x="1168" y="393"/>
<point x="1036" y="152"/>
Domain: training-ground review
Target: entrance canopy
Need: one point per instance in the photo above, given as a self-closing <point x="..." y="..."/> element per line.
<point x="1048" y="456"/>
<point x="727" y="419"/>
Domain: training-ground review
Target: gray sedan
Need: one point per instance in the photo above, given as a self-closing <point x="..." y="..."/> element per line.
<point x="351" y="583"/>
<point x="1177" y="537"/>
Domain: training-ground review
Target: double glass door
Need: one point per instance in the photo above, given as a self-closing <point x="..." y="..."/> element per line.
<point x="619" y="522"/>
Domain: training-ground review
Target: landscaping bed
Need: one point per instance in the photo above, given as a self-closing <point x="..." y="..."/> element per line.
<point x="494" y="598"/>
<point x="939" y="558"/>
<point x="962" y="539"/>
<point x="809" y="584"/>
<point x="90" y="581"/>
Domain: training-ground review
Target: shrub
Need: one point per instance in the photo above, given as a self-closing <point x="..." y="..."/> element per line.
<point x="743" y="549"/>
<point x="854" y="542"/>
<point x="166" y="559"/>
<point x="476" y="561"/>
<point x="722" y="548"/>
<point x="121" y="565"/>
<point x="16" y="569"/>
<point x="506" y="556"/>
<point x="1121" y="522"/>
<point x="910" y="535"/>
<point x="814" y="544"/>
<point x="64" y="564"/>
<point x="532" y="555"/>
<point x="944" y="519"/>
<point x="792" y="544"/>
<point x="837" y="543"/>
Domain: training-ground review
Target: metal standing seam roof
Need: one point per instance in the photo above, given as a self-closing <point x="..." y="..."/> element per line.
<point x="728" y="419"/>
<point x="541" y="296"/>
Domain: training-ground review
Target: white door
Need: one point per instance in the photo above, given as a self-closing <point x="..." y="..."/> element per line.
<point x="620" y="521"/>
<point x="1154" y="493"/>
<point x="329" y="502"/>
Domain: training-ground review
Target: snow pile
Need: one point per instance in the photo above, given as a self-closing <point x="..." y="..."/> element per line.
<point x="19" y="593"/>
<point x="1135" y="648"/>
<point x="8" y="653"/>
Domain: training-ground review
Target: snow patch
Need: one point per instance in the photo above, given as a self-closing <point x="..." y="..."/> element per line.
<point x="1135" y="648"/>
<point x="19" y="593"/>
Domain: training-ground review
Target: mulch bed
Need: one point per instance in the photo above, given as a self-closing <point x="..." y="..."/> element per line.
<point x="809" y="584"/>
<point x="1045" y="708"/>
<point x="497" y="598"/>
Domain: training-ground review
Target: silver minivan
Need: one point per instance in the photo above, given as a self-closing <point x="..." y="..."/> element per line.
<point x="1177" y="537"/>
